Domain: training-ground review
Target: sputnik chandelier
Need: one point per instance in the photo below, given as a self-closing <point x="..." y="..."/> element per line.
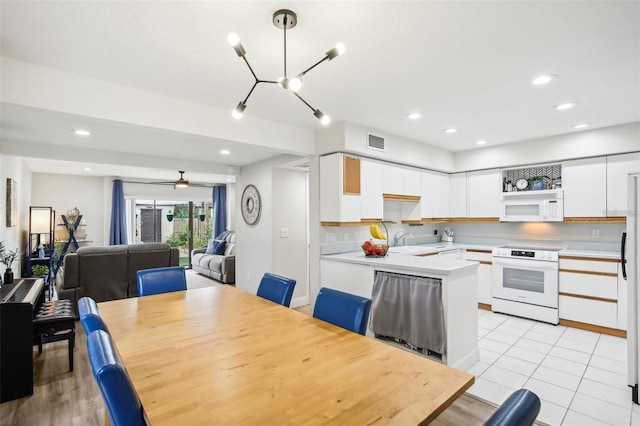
<point x="285" y="20"/>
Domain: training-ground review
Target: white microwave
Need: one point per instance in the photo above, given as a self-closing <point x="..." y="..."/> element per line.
<point x="532" y="206"/>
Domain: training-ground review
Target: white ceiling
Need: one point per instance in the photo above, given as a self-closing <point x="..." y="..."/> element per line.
<point x="461" y="64"/>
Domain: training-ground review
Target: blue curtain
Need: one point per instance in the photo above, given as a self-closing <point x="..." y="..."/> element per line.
<point x="219" y="210"/>
<point x="118" y="234"/>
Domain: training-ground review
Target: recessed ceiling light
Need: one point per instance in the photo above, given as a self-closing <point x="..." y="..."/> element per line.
<point x="81" y="132"/>
<point x="86" y="169"/>
<point x="565" y="106"/>
<point x="414" y="116"/>
<point x="543" y="79"/>
<point x="450" y="130"/>
<point x="481" y="142"/>
<point x="581" y="125"/>
<point x="225" y="152"/>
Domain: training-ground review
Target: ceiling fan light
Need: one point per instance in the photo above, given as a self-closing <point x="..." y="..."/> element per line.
<point x="324" y="119"/>
<point x="182" y="183"/>
<point x="237" y="113"/>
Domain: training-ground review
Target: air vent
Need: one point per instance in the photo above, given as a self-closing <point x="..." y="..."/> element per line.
<point x="375" y="142"/>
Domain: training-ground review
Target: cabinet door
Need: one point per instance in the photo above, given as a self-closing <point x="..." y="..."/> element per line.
<point x="431" y="196"/>
<point x="622" y="300"/>
<point x="371" y="203"/>
<point x="458" y="194"/>
<point x="618" y="167"/>
<point x="411" y="182"/>
<point x="585" y="187"/>
<point x="484" y="192"/>
<point x="335" y="205"/>
<point x="392" y="179"/>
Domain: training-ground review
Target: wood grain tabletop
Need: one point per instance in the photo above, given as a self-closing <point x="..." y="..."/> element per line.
<point x="220" y="355"/>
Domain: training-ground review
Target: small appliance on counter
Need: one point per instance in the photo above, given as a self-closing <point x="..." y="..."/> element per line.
<point x="448" y="235"/>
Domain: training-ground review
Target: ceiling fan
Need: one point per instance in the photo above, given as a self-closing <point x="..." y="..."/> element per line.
<point x="182" y="182"/>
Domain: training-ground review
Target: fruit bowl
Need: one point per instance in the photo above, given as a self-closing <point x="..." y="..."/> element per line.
<point x="373" y="250"/>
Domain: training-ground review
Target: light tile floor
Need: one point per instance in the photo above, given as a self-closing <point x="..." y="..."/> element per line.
<point x="580" y="376"/>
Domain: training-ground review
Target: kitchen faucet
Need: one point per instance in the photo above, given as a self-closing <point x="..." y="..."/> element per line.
<point x="400" y="236"/>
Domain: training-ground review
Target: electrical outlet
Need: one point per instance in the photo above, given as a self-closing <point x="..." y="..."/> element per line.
<point x="331" y="237"/>
<point x="284" y="232"/>
<point x="595" y="233"/>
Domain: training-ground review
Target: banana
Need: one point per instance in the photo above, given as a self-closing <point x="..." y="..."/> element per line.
<point x="375" y="232"/>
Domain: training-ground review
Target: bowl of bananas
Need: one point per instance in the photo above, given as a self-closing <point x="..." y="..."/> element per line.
<point x="375" y="250"/>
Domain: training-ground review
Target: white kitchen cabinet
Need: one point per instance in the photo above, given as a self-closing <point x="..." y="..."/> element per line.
<point x="348" y="277"/>
<point x="445" y="206"/>
<point x="618" y="167"/>
<point x="411" y="182"/>
<point x="392" y="178"/>
<point x="431" y="197"/>
<point x="484" y="189"/>
<point x="589" y="291"/>
<point x="339" y="200"/>
<point x="458" y="195"/>
<point x="484" y="273"/>
<point x="371" y="202"/>
<point x="585" y="187"/>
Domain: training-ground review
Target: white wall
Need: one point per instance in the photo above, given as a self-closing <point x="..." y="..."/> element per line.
<point x="588" y="143"/>
<point x="15" y="237"/>
<point x="290" y="213"/>
<point x="352" y="138"/>
<point x="256" y="245"/>
<point x="65" y="192"/>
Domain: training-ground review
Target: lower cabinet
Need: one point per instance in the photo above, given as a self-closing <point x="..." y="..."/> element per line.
<point x="484" y="274"/>
<point x="589" y="292"/>
<point x="348" y="277"/>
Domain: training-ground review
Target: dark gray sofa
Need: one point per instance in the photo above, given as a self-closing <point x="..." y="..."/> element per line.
<point x="109" y="273"/>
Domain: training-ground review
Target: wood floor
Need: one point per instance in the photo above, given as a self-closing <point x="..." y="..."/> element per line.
<point x="62" y="397"/>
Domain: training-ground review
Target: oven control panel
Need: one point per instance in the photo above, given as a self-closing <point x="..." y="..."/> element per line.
<point x="526" y="254"/>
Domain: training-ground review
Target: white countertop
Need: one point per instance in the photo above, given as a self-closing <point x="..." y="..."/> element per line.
<point x="423" y="265"/>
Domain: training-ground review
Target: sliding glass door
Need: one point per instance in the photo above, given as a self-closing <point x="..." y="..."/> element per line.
<point x="182" y="224"/>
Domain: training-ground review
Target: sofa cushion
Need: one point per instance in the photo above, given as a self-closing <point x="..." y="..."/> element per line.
<point x="214" y="263"/>
<point x="218" y="247"/>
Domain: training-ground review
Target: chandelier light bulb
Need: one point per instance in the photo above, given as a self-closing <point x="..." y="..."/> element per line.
<point x="239" y="111"/>
<point x="295" y="84"/>
<point x="233" y="39"/>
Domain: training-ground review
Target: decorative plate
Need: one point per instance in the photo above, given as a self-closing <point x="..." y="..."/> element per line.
<point x="522" y="184"/>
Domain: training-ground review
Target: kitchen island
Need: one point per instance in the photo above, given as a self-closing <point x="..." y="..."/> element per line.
<point x="354" y="273"/>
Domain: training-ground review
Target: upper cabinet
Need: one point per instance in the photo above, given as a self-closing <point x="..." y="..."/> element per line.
<point x="618" y="167"/>
<point x="371" y="203"/>
<point x="435" y="196"/>
<point x="484" y="190"/>
<point x="392" y="179"/>
<point x="585" y="188"/>
<point x="339" y="188"/>
<point x="458" y="195"/>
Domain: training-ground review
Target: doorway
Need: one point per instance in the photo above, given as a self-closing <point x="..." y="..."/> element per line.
<point x="150" y="228"/>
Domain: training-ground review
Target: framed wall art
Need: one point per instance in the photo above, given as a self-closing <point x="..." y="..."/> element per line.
<point x="12" y="202"/>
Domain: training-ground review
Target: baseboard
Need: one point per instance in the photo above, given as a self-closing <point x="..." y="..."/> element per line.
<point x="299" y="301"/>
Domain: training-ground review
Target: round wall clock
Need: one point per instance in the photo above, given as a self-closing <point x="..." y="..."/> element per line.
<point x="251" y="205"/>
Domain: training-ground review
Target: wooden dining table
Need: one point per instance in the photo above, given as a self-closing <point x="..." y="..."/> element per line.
<point x="220" y="355"/>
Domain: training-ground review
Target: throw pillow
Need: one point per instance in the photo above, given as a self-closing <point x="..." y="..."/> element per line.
<point x="218" y="247"/>
<point x="209" y="249"/>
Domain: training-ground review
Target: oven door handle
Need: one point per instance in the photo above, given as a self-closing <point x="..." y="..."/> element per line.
<point x="534" y="265"/>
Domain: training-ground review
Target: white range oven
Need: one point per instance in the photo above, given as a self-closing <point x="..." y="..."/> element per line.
<point x="524" y="282"/>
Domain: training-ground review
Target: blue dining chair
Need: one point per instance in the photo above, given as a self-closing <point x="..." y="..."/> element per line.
<point x="520" y="409"/>
<point x="90" y="317"/>
<point x="343" y="309"/>
<point x="120" y="398"/>
<point x="276" y="288"/>
<point x="161" y="280"/>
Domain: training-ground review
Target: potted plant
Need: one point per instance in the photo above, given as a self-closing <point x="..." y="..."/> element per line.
<point x="40" y="270"/>
<point x="7" y="258"/>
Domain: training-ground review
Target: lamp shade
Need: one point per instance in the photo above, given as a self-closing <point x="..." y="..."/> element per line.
<point x="40" y="220"/>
